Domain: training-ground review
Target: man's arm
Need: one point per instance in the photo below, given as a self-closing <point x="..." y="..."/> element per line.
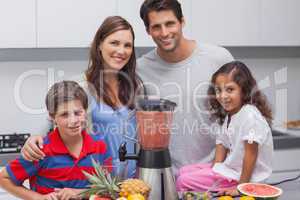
<point x="31" y="151"/>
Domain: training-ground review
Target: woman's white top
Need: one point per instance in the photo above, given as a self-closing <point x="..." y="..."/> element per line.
<point x="246" y="125"/>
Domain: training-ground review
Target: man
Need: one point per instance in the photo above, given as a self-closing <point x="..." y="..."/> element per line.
<point x="180" y="69"/>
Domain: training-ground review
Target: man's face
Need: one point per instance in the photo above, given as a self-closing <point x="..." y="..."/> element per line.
<point x="165" y="29"/>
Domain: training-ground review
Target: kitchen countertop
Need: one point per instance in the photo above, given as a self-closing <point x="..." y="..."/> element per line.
<point x="285" y="138"/>
<point x="291" y="190"/>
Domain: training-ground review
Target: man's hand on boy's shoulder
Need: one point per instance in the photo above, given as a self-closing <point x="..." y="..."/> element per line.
<point x="31" y="150"/>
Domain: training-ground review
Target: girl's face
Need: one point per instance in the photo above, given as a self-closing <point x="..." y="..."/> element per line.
<point x="116" y="49"/>
<point x="228" y="93"/>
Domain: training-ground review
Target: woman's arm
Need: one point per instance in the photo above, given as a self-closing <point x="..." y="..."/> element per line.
<point x="31" y="151"/>
<point x="250" y="156"/>
<point x="221" y="153"/>
<point x="18" y="191"/>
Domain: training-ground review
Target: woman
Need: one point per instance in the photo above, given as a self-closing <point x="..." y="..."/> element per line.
<point x="112" y="85"/>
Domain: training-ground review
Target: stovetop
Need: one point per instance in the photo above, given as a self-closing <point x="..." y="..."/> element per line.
<point x="12" y="143"/>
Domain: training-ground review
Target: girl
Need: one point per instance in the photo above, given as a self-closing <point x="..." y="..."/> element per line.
<point x="244" y="146"/>
<point x="112" y="85"/>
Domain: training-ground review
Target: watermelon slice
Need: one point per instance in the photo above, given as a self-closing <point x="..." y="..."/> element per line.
<point x="260" y="191"/>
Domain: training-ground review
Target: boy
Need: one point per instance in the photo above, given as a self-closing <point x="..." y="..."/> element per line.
<point x="68" y="149"/>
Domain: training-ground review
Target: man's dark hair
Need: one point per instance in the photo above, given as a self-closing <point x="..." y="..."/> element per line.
<point x="160" y="5"/>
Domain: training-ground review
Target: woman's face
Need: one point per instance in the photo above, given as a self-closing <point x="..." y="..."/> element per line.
<point x="116" y="49"/>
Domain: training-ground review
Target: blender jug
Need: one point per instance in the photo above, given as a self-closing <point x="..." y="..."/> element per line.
<point x="154" y="120"/>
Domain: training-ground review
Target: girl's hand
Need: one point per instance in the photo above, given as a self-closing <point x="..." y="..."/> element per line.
<point x="31" y="150"/>
<point x="231" y="191"/>
<point x="67" y="193"/>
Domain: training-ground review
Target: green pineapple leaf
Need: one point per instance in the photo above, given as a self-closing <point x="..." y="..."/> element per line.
<point x="101" y="183"/>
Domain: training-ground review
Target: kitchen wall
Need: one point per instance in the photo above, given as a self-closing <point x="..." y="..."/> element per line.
<point x="25" y="75"/>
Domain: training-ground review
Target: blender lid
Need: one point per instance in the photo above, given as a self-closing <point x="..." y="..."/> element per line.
<point x="155" y="105"/>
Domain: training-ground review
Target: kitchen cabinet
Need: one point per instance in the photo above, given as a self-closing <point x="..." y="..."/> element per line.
<point x="284" y="160"/>
<point x="247" y="22"/>
<point x="130" y="11"/>
<point x="68" y="23"/>
<point x="17" y="19"/>
<point x="186" y="6"/>
<point x="230" y="22"/>
<point x="280" y="22"/>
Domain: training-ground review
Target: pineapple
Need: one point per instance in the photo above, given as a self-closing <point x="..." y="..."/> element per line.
<point x="103" y="184"/>
<point x="134" y="186"/>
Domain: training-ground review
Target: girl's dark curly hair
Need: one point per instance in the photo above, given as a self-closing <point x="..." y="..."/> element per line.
<point x="242" y="76"/>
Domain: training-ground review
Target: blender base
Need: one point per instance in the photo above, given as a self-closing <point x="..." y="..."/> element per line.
<point x="161" y="181"/>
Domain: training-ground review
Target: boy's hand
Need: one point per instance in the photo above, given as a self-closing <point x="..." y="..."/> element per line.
<point x="31" y="150"/>
<point x="67" y="193"/>
<point x="50" y="196"/>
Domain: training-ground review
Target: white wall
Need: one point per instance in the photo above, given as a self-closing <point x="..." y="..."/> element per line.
<point x="279" y="78"/>
<point x="24" y="114"/>
<point x="33" y="90"/>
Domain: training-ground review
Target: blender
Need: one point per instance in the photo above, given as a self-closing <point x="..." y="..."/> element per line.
<point x="154" y="120"/>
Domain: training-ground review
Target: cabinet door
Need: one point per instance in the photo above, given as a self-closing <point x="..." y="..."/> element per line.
<point x="130" y="10"/>
<point x="17" y="19"/>
<point x="186" y="6"/>
<point x="230" y="22"/>
<point x="69" y="23"/>
<point x="281" y="22"/>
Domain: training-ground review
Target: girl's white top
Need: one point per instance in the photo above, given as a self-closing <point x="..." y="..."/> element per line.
<point x="246" y="125"/>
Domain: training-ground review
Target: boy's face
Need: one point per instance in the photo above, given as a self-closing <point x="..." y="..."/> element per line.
<point x="165" y="29"/>
<point x="70" y="118"/>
